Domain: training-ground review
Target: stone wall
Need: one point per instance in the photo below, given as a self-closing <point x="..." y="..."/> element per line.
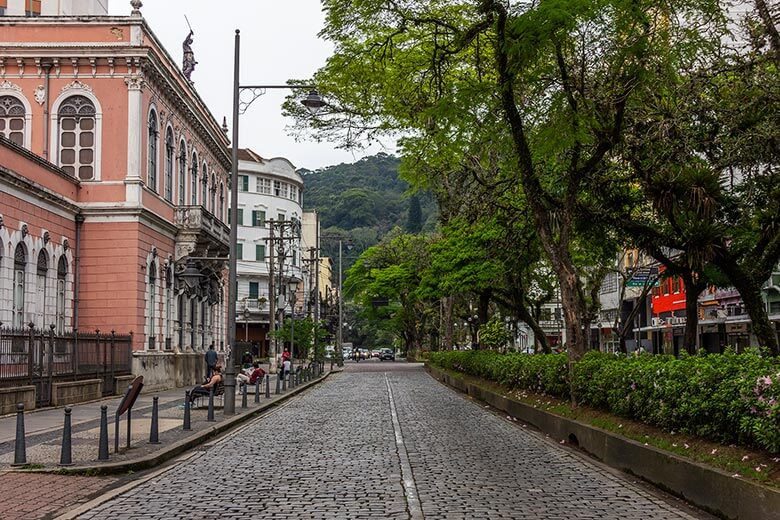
<point x="10" y="397"/>
<point x="76" y="391"/>
<point x="162" y="370"/>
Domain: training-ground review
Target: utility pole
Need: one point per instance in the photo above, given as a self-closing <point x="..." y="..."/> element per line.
<point x="340" y="335"/>
<point x="317" y="287"/>
<point x="271" y="301"/>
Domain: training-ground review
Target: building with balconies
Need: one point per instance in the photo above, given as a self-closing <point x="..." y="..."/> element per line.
<point x="270" y="222"/>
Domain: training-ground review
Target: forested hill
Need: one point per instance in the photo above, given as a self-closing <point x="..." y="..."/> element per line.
<point x="364" y="200"/>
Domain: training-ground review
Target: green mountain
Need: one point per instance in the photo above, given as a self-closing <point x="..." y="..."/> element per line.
<point x="360" y="202"/>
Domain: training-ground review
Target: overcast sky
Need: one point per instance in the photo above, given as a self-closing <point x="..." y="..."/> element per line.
<point x="278" y="42"/>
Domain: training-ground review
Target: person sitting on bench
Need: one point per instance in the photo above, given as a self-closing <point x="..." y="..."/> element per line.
<point x="204" y="389"/>
<point x="250" y="376"/>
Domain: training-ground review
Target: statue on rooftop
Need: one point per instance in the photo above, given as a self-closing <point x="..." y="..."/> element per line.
<point x="188" y="63"/>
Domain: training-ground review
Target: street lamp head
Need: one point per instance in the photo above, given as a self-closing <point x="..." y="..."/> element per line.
<point x="313" y="102"/>
<point x="191" y="275"/>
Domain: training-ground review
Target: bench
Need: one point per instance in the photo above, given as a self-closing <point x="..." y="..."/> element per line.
<point x="219" y="392"/>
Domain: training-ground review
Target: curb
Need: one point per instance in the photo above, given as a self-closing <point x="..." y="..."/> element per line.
<point x="703" y="486"/>
<point x="155" y="459"/>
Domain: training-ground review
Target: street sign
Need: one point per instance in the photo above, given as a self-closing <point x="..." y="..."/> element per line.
<point x="640" y="277"/>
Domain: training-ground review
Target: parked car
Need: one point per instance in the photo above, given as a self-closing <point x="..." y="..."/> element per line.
<point x="386" y="354"/>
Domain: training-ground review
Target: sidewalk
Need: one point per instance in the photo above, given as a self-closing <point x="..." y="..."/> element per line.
<point x="43" y="429"/>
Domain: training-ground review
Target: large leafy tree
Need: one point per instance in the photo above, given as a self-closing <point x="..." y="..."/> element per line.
<point x="386" y="281"/>
<point x="545" y="85"/>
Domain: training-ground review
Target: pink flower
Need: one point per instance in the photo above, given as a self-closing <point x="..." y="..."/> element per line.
<point x="633" y="386"/>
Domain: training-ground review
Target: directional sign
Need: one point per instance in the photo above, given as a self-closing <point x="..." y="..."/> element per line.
<point x="640" y="277"/>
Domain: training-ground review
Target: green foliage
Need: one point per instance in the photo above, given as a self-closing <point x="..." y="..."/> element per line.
<point x="494" y="334"/>
<point x="303" y="335"/>
<point x="726" y="398"/>
<point x="364" y="194"/>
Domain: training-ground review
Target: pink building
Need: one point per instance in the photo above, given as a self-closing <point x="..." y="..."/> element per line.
<point x="113" y="174"/>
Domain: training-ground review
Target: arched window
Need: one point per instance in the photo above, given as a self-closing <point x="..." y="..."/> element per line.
<point x="204" y="195"/>
<point x="152" y="304"/>
<point x="221" y="201"/>
<point x="40" y="287"/>
<point x="194" y="179"/>
<point x="20" y="261"/>
<point x="182" y="171"/>
<point x="62" y="273"/>
<point x="154" y="132"/>
<point x="213" y="203"/>
<point x="12" y="116"/>
<point x="169" y="165"/>
<point x="77" y="137"/>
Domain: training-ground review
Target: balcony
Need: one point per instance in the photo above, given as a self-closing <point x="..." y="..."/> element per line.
<point x="200" y="230"/>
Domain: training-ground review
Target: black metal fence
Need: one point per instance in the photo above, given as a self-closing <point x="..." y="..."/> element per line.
<point x="30" y="356"/>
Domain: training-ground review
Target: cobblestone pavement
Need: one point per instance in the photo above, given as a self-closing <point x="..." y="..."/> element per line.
<point x="349" y="448"/>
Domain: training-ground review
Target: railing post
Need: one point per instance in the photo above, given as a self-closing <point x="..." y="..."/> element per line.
<point x="50" y="362"/>
<point x="97" y="354"/>
<point x="30" y="353"/>
<point x="75" y="354"/>
<point x="113" y="375"/>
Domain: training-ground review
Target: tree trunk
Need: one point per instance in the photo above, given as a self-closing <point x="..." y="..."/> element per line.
<point x="692" y="291"/>
<point x="571" y="301"/>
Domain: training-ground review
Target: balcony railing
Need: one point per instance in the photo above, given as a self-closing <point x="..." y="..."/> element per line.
<point x="199" y="228"/>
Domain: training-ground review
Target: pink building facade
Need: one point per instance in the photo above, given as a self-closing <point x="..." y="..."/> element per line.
<point x="113" y="175"/>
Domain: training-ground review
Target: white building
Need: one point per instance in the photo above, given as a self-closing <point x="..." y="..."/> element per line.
<point x="269" y="203"/>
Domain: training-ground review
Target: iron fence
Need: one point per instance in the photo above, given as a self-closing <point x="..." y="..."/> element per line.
<point x="30" y="356"/>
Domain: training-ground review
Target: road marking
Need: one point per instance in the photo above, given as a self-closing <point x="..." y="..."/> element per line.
<point x="407" y="477"/>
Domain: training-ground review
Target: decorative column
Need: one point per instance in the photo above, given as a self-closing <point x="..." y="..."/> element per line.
<point x="133" y="182"/>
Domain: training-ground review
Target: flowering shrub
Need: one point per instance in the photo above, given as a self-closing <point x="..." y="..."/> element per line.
<point x="726" y="398"/>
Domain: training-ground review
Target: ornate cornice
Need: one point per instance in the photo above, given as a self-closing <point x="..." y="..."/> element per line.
<point x="7" y="85"/>
<point x="76" y="84"/>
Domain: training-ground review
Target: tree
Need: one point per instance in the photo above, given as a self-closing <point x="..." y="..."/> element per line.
<point x="390" y="272"/>
<point x="545" y="85"/>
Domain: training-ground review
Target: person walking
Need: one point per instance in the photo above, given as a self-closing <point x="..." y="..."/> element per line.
<point x="211" y="361"/>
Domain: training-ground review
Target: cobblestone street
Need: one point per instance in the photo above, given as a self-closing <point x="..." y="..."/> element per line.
<point x="385" y="440"/>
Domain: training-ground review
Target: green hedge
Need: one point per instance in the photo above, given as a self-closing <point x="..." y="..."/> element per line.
<point x="729" y="398"/>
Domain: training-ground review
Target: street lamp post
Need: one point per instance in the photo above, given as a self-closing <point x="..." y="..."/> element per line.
<point x="313" y="102"/>
<point x="292" y="287"/>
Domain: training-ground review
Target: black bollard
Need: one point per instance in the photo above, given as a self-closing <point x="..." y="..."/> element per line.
<point x="284" y="381"/>
<point x="257" y="390"/>
<point x="187" y="424"/>
<point x="103" y="445"/>
<point x="210" y="416"/>
<point x="278" y="382"/>
<point x="154" y="433"/>
<point x="268" y="386"/>
<point x="292" y="379"/>
<point x="243" y="395"/>
<point x="20" y="447"/>
<point x="66" y="454"/>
